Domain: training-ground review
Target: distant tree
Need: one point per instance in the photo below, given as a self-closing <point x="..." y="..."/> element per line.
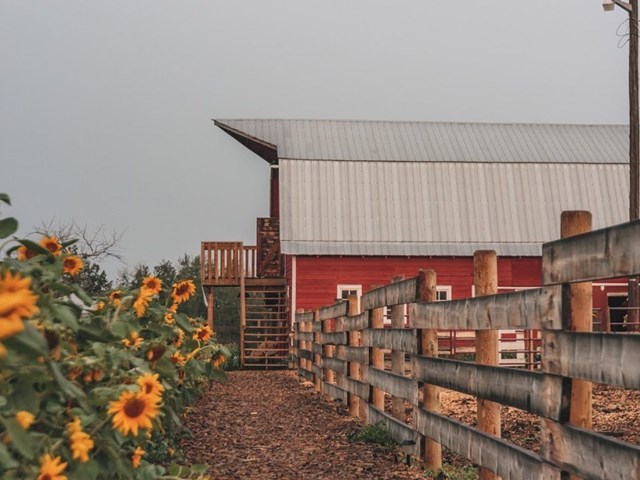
<point x="97" y="244"/>
<point x="93" y="280"/>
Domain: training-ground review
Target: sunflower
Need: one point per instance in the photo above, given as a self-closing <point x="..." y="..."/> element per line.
<point x="116" y="297"/>
<point x="51" y="468"/>
<point x="25" y="254"/>
<point x="72" y="265"/>
<point x="97" y="375"/>
<point x="174" y="307"/>
<point x="134" y="340"/>
<point x="217" y="360"/>
<point x="52" y="244"/>
<point x="203" y="333"/>
<point x="17" y="301"/>
<point x="155" y="353"/>
<point x="3" y="351"/>
<point x="178" y="341"/>
<point x="80" y="442"/>
<point x="133" y="411"/>
<point x="149" y="384"/>
<point x="25" y="419"/>
<point x="178" y="359"/>
<point x="136" y="457"/>
<point x="168" y="318"/>
<point x="153" y="284"/>
<point x="100" y="305"/>
<point x="183" y="291"/>
<point x="142" y="302"/>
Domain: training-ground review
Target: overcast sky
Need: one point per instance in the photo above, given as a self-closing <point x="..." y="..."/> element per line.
<point x="106" y="106"/>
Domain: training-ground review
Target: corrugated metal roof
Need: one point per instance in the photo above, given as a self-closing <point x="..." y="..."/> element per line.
<point x="423" y="208"/>
<point x="440" y="142"/>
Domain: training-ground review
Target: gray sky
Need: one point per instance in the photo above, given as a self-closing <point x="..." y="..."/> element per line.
<point x="105" y="107"/>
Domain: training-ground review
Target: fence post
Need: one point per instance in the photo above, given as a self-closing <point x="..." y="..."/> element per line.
<point x="429" y="347"/>
<point x="397" y="356"/>
<point x="376" y="355"/>
<point x="573" y="223"/>
<point x="485" y="280"/>
<point x="327" y="351"/>
<point x="297" y="342"/>
<point x="317" y="358"/>
<point x="354" y="367"/>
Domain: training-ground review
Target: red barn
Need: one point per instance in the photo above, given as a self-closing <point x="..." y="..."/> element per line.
<point x="355" y="203"/>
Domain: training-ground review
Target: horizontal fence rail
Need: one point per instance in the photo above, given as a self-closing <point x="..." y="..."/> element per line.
<point x="342" y="351"/>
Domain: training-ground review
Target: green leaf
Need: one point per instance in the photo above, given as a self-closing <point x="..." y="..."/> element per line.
<point x="87" y="470"/>
<point x="65" y="385"/>
<point x="62" y="288"/>
<point x="147" y="471"/>
<point x="66" y="315"/>
<point x="183" y="321"/>
<point x="69" y="243"/>
<point x="165" y="368"/>
<point x="199" y="468"/>
<point x="35" y="247"/>
<point x="6" y="460"/>
<point x="8" y="226"/>
<point x="19" y="437"/>
<point x="4" y="197"/>
<point x="83" y="296"/>
<point x="30" y="338"/>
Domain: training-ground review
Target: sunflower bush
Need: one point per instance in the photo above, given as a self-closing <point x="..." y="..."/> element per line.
<point x="93" y="388"/>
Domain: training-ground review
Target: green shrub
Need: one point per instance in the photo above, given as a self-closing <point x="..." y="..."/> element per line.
<point x="373" y="433"/>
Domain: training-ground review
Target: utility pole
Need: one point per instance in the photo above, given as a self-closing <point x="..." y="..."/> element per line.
<point x="634" y="142"/>
<point x="634" y="159"/>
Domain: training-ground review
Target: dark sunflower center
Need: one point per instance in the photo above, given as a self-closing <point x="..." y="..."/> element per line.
<point x="134" y="408"/>
<point x="148" y="388"/>
<point x="181" y="290"/>
<point x="46" y="476"/>
<point x="69" y="263"/>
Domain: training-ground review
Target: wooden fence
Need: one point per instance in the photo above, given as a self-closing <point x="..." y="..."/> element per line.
<point x="340" y="349"/>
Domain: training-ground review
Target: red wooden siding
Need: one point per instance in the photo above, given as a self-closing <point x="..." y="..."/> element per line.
<point x="317" y="277"/>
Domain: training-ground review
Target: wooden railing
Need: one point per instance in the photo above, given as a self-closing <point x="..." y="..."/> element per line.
<point x="340" y="349"/>
<point x="224" y="263"/>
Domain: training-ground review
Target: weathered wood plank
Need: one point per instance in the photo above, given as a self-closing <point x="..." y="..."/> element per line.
<point x="607" y="253"/>
<point x="352" y="354"/>
<point x="334" y="338"/>
<point x="400" y="431"/>
<point x="305" y="336"/>
<point x="509" y="461"/>
<point x="392" y="338"/>
<point x="334" y="392"/>
<point x="535" y="392"/>
<point x="317" y="371"/>
<point x="532" y="309"/>
<point x="396" y="385"/>
<point x="306" y="354"/>
<point x="350" y="324"/>
<point x="305" y="374"/>
<point x="590" y="455"/>
<point x="316" y="348"/>
<point x="334" y="311"/>
<point x="357" y="387"/>
<point x="316" y="326"/>
<point x="335" y="364"/>
<point x="599" y="357"/>
<point x="393" y="294"/>
<point x="304" y="317"/>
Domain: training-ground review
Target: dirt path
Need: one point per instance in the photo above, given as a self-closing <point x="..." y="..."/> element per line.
<point x="265" y="425"/>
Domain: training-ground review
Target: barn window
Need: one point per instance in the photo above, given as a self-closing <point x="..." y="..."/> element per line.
<point x="344" y="291"/>
<point x="443" y="293"/>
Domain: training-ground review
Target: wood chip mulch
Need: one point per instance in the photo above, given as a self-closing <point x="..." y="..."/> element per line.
<point x="267" y="425"/>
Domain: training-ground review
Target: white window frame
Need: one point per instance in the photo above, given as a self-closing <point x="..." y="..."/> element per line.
<point x="341" y="288"/>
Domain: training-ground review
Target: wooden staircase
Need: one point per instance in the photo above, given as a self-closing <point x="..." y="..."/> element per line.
<point x="266" y="329"/>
